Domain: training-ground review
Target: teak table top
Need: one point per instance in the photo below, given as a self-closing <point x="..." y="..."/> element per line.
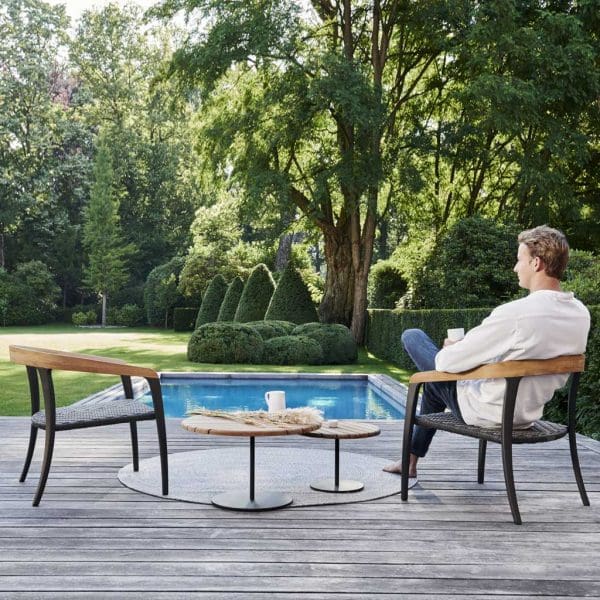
<point x="345" y="430"/>
<point x="222" y="426"/>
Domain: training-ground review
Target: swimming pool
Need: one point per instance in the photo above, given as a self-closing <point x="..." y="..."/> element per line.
<point x="339" y="397"/>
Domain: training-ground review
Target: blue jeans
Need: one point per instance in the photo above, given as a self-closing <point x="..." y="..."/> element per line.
<point x="436" y="396"/>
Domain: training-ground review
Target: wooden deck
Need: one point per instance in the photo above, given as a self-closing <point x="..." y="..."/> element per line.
<point x="93" y="538"/>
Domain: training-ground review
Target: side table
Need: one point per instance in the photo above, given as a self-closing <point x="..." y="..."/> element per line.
<point x="344" y="431"/>
<point x="239" y="500"/>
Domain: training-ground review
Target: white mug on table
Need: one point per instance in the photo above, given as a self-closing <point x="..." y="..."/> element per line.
<point x="456" y="334"/>
<point x="275" y="400"/>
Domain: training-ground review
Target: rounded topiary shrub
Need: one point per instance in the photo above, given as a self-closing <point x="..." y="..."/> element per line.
<point x="231" y="300"/>
<point x="225" y="343"/>
<point x="292" y="350"/>
<point x="336" y="340"/>
<point x="256" y="295"/>
<point x="212" y="300"/>
<point x="286" y="327"/>
<point x="266" y="329"/>
<point x="291" y="300"/>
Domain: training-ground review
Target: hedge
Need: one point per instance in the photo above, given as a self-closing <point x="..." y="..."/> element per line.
<point x="184" y="318"/>
<point x="225" y="343"/>
<point x="291" y="300"/>
<point x="231" y="300"/>
<point x="256" y="295"/>
<point x="286" y="327"/>
<point x="336" y="341"/>
<point x="292" y="350"/>
<point x="384" y="328"/>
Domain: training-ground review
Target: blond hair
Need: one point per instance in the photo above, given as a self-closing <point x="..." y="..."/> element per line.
<point x="549" y="245"/>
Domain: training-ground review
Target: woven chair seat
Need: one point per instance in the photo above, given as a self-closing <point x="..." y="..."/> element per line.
<point x="540" y="431"/>
<point x="107" y="413"/>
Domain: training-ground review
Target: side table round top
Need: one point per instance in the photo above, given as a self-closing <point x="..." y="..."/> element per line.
<point x="222" y="426"/>
<point x="345" y="430"/>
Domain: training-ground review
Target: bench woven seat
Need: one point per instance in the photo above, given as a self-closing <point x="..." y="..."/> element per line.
<point x="540" y="431"/>
<point x="108" y="413"/>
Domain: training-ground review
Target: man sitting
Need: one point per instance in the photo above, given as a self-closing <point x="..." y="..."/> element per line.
<point x="546" y="323"/>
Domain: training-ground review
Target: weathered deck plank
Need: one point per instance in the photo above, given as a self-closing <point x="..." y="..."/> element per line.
<point x="93" y="538"/>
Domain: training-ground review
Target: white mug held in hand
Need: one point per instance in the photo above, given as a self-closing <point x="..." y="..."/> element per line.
<point x="275" y="401"/>
<point x="457" y="334"/>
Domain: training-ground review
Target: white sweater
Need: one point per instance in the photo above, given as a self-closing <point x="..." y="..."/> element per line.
<point x="545" y="324"/>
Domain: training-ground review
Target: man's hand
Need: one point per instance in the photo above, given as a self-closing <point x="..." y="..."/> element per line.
<point x="449" y="342"/>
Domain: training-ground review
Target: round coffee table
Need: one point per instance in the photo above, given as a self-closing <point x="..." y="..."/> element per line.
<point x="240" y="500"/>
<point x="345" y="430"/>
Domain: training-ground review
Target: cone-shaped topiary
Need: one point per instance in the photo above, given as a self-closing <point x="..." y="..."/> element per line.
<point x="291" y="300"/>
<point x="231" y="300"/>
<point x="225" y="343"/>
<point x="212" y="300"/>
<point x="256" y="295"/>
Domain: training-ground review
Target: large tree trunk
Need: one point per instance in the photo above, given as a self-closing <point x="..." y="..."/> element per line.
<point x="2" y="250"/>
<point x="336" y="306"/>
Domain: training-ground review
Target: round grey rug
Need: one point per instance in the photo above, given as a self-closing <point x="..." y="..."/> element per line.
<point x="198" y="476"/>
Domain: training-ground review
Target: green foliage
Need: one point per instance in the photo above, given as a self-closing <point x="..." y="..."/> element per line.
<point x="184" y="318"/>
<point x="471" y="266"/>
<point x="160" y="291"/>
<point x="386" y="284"/>
<point x="286" y="327"/>
<point x="128" y="315"/>
<point x="80" y="318"/>
<point x="266" y="329"/>
<point x="256" y="295"/>
<point x="385" y="328"/>
<point x="583" y="276"/>
<point x="107" y="252"/>
<point x="225" y="343"/>
<point x="292" y="350"/>
<point x="336" y="341"/>
<point x="28" y="295"/>
<point x="212" y="300"/>
<point x="231" y="300"/>
<point x="292" y="300"/>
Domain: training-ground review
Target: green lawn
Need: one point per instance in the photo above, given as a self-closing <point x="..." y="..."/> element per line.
<point x="155" y="348"/>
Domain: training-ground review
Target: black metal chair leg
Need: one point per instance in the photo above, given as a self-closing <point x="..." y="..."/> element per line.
<point x="134" y="445"/>
<point x="48" y="450"/>
<point x="409" y="420"/>
<point x="32" y="438"/>
<point x="162" y="433"/>
<point x="481" y="461"/>
<point x="509" y="481"/>
<point x="577" y="468"/>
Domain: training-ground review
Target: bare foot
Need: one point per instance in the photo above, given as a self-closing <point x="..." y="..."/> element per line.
<point x="396" y="467"/>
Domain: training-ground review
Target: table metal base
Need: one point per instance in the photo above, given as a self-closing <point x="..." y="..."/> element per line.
<point x="336" y="485"/>
<point x="345" y="485"/>
<point x="241" y="501"/>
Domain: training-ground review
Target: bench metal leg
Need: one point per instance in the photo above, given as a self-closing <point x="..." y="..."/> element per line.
<point x="32" y="438"/>
<point x="481" y="461"/>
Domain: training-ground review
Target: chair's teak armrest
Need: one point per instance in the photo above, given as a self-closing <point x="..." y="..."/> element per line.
<point x="67" y="361"/>
<point x="510" y="368"/>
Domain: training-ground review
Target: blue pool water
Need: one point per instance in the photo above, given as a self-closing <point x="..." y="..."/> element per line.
<point x="337" y="398"/>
